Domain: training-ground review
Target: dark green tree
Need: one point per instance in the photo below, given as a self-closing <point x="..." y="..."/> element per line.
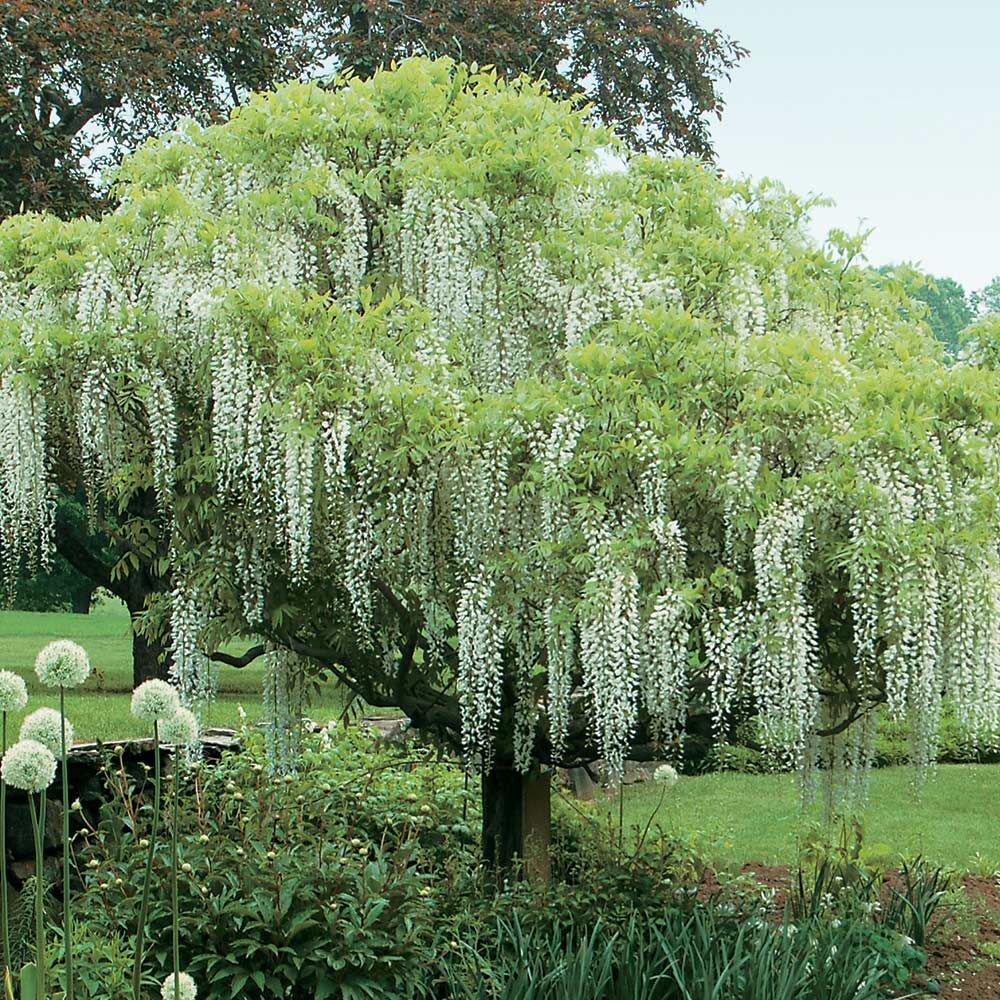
<point x="987" y="300"/>
<point x="946" y="308"/>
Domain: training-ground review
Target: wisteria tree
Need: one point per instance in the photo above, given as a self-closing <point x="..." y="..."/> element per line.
<point x="539" y="452"/>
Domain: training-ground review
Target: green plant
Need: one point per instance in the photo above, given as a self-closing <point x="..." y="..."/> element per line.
<point x="315" y="883"/>
<point x="154" y="702"/>
<point x="703" y="953"/>
<point x="922" y="891"/>
<point x="103" y="967"/>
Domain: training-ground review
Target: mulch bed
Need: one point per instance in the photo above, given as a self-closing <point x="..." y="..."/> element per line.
<point x="956" y="964"/>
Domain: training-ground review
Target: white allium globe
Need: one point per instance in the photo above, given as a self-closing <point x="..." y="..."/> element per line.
<point x="188" y="991"/>
<point x="180" y="729"/>
<point x="43" y="726"/>
<point x="29" y="766"/>
<point x="13" y="691"/>
<point x="62" y="663"/>
<point x="665" y="774"/>
<point x="154" y="701"/>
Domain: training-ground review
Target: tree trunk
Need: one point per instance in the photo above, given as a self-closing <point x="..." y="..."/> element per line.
<point x="82" y="599"/>
<point x="516" y="823"/>
<point x="150" y="658"/>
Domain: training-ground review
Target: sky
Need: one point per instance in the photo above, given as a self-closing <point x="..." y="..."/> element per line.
<point x="891" y="108"/>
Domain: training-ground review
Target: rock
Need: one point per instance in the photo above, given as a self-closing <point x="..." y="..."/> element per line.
<point x="387" y="727"/>
<point x="581" y="783"/>
<point x="20" y="834"/>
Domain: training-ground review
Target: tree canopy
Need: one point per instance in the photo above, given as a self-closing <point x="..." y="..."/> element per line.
<point x="537" y="451"/>
<point x="81" y="83"/>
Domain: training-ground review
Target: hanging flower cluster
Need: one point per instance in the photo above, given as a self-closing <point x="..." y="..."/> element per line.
<point x="560" y="448"/>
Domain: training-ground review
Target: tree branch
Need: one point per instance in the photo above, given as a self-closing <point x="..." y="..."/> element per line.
<point x="253" y="653"/>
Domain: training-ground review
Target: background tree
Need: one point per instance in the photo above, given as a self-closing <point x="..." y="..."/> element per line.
<point x="535" y="453"/>
<point x="948" y="309"/>
<point x="987" y="300"/>
<point x="82" y="84"/>
<point x="61" y="587"/>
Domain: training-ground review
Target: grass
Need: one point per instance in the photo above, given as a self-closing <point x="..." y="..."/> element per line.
<point x="952" y="820"/>
<point x="100" y="709"/>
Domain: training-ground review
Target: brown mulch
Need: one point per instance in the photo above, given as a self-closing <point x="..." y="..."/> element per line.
<point x="960" y="966"/>
<point x="956" y="963"/>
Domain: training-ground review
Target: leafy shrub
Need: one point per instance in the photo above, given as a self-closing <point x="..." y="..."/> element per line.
<point x="313" y="885"/>
<point x="846" y="880"/>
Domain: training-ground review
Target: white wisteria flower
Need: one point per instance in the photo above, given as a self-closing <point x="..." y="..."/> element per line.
<point x="28" y="765"/>
<point x="187" y="989"/>
<point x="13" y="691"/>
<point x="666" y="774"/>
<point x="181" y="729"/>
<point x="62" y="663"/>
<point x="44" y="726"/>
<point x="155" y="701"/>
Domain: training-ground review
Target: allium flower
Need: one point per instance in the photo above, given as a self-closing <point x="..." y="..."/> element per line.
<point x="43" y="726"/>
<point x="666" y="775"/>
<point x="62" y="664"/>
<point x="180" y="729"/>
<point x="155" y="701"/>
<point x="13" y="692"/>
<point x="29" y="766"/>
<point x="188" y="991"/>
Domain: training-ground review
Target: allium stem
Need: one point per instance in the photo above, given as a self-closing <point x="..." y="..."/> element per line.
<point x="4" y="910"/>
<point x="67" y="904"/>
<point x="38" y="826"/>
<point x="140" y="933"/>
<point x="173" y="884"/>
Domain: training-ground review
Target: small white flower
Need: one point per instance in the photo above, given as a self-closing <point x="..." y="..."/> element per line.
<point x="62" y="664"/>
<point x="155" y="701"/>
<point x="45" y="726"/>
<point x="13" y="692"/>
<point x="180" y="729"/>
<point x="667" y="775"/>
<point x="184" y="988"/>
<point x="28" y="765"/>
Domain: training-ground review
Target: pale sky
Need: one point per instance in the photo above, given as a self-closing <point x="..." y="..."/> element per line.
<point x="890" y="107"/>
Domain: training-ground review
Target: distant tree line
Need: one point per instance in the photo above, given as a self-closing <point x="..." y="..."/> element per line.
<point x="945" y="306"/>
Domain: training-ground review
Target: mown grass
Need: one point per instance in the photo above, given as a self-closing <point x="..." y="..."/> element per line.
<point x="953" y="819"/>
<point x="100" y="709"/>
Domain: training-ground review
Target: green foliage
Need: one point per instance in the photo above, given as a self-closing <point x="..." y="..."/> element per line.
<point x="987" y="300"/>
<point x="851" y="880"/>
<point x="706" y="952"/>
<point x="947" y="309"/>
<point x="317" y="884"/>
<point x="102" y="965"/>
<point x="421" y="360"/>
<point x="62" y="587"/>
<point x="340" y="880"/>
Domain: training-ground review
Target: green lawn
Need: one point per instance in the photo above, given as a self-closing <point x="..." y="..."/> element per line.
<point x="954" y="819"/>
<point x="101" y="707"/>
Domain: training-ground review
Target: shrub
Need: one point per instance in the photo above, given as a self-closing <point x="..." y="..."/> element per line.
<point x="316" y="884"/>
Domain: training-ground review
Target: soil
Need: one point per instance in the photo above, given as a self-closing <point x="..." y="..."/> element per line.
<point x="957" y="965"/>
